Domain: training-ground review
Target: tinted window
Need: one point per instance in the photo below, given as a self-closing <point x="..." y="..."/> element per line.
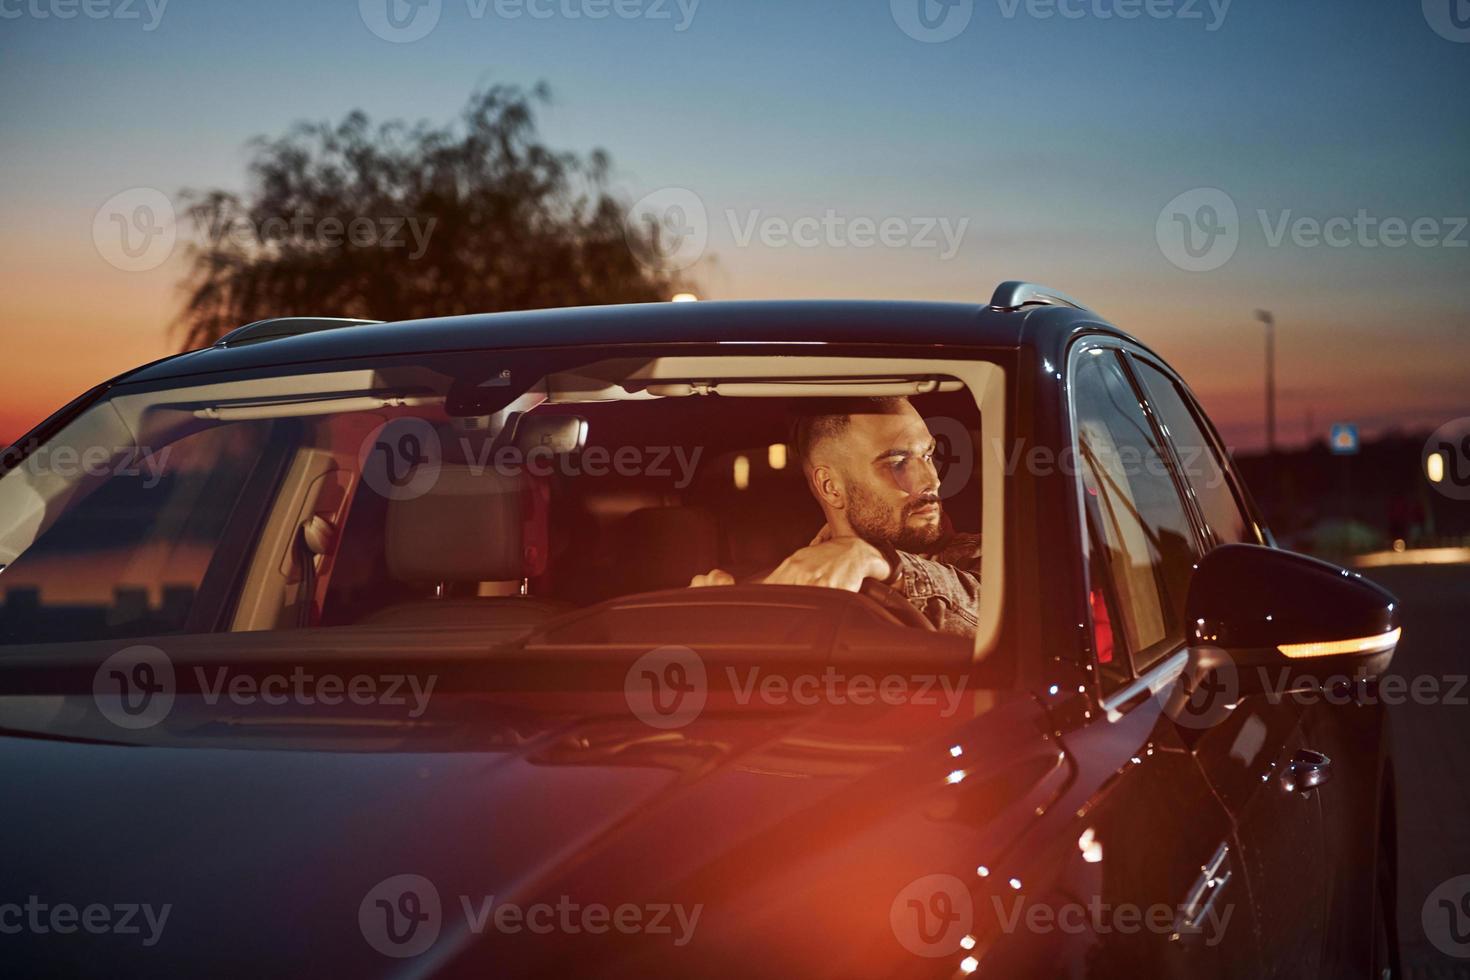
<point x="1134" y="508"/>
<point x="130" y="556"/>
<point x="1201" y="466"/>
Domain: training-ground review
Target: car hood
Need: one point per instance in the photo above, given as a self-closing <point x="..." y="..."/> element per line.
<point x="271" y="844"/>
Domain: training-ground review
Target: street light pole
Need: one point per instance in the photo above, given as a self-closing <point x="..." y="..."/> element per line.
<point x="1269" y="320"/>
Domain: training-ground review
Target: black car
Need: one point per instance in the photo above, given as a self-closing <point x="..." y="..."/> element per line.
<point x="368" y="649"/>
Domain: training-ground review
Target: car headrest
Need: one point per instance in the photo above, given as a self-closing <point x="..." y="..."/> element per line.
<point x="470" y="526"/>
<point x="664" y="547"/>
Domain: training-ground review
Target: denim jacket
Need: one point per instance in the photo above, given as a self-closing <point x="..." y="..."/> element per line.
<point x="944" y="585"/>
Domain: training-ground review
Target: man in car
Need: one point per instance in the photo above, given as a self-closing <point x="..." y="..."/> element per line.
<point x="870" y="464"/>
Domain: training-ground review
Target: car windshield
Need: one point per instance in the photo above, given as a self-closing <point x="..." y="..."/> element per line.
<point x="492" y="490"/>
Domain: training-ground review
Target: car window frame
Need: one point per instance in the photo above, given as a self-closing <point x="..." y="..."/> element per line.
<point x="1171" y="663"/>
<point x="1215" y="444"/>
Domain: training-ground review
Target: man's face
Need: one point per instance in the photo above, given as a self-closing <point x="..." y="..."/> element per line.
<point x="886" y="465"/>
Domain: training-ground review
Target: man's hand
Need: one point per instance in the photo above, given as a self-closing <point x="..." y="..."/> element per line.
<point x="715" y="576"/>
<point x="835" y="563"/>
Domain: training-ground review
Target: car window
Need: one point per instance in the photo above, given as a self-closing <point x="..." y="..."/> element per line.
<point x="1202" y="468"/>
<point x="1134" y="507"/>
<point x="129" y="555"/>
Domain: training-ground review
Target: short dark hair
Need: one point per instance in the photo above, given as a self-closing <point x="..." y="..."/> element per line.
<point x="819" y="419"/>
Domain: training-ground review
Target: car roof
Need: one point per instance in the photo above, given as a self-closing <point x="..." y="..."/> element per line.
<point x="847" y="322"/>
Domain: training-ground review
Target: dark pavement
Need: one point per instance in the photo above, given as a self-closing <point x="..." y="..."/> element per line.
<point x="1431" y="749"/>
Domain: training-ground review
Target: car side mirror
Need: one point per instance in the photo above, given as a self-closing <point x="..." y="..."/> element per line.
<point x="1279" y="622"/>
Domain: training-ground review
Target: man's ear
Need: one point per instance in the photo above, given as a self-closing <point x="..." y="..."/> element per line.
<point x="827" y="486"/>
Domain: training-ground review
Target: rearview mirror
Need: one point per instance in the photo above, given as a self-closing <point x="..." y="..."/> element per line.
<point x="1280" y="622"/>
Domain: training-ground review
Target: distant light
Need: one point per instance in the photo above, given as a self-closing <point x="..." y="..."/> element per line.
<point x="776" y="455"/>
<point x="1434" y="467"/>
<point x="983" y="871"/>
<point x="955" y="776"/>
<point x="1052" y="690"/>
<point x="956" y="751"/>
<point x="1088" y="844"/>
<point x="969" y="964"/>
<point x="967" y="943"/>
<point x="742" y="472"/>
<point x="684" y="298"/>
<point x="1016" y="883"/>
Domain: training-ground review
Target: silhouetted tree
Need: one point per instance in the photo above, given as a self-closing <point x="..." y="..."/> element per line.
<point x="397" y="221"/>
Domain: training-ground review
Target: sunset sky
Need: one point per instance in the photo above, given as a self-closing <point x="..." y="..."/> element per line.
<point x="1058" y="139"/>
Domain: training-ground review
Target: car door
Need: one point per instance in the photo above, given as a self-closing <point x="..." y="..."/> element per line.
<point x="1249" y="753"/>
<point x="1162" y="839"/>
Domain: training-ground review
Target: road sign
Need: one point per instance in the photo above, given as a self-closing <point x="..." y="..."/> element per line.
<point x="1344" y="439"/>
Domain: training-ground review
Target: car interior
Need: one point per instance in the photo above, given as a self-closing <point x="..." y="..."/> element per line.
<point x="504" y="490"/>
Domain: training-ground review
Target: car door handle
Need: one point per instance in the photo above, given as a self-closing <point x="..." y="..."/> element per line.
<point x="1306" y="771"/>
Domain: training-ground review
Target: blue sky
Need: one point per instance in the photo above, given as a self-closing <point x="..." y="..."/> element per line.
<point x="1058" y="138"/>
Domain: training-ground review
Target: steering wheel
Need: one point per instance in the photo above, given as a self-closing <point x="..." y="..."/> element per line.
<point x="896" y="604"/>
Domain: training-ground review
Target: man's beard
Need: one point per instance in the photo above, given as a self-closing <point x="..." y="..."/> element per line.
<point x="876" y="524"/>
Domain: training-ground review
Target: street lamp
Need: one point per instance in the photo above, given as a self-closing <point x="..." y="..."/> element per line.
<point x="1266" y="317"/>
